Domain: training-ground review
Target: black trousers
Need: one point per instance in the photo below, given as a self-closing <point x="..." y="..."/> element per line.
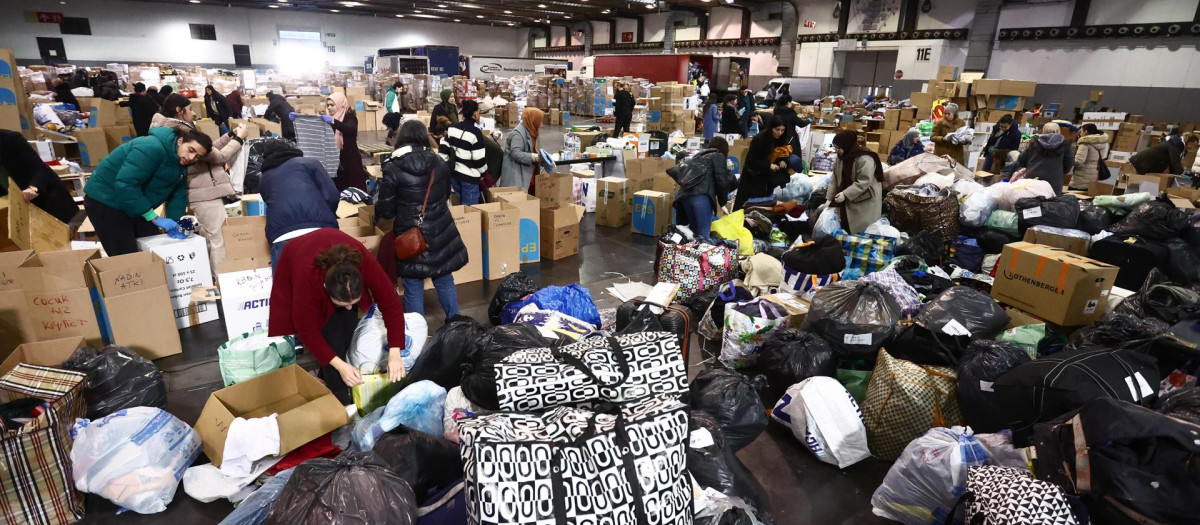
<point x="338" y="332"/>
<point x="622" y="126"/>
<point x="118" y="231"/>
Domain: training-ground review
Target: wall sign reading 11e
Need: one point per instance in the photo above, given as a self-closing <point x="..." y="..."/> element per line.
<point x="924" y="53"/>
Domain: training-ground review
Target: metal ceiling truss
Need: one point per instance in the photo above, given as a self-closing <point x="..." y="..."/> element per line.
<point x="1160" y="30"/>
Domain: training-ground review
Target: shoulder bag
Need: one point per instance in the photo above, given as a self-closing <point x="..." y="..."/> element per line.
<point x="411" y="243"/>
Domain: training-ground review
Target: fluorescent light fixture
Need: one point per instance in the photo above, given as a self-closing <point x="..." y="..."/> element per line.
<point x="399" y="16"/>
<point x="352" y="4"/>
<point x="193" y="1"/>
<point x="335" y="10"/>
<point x="541" y="6"/>
<point x="443" y="6"/>
<point x="567" y="16"/>
<point x="457" y="20"/>
<point x="606" y="11"/>
<point x="478" y="16"/>
<point x="273" y="6"/>
<point x="650" y="6"/>
<point x="418" y="11"/>
<point x="508" y="12"/>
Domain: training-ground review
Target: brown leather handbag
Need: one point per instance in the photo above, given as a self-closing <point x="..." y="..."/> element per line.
<point x="410" y="243"/>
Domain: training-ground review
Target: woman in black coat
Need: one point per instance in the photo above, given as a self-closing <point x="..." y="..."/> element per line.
<point x="696" y="204"/>
<point x="406" y="188"/>
<point x="278" y="110"/>
<point x="766" y="167"/>
<point x="217" y="108"/>
<point x="39" y="184"/>
<point x="731" y="121"/>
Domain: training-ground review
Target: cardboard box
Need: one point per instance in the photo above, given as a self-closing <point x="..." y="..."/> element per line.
<point x="187" y="268"/>
<point x="369" y="236"/>
<point x="307" y="410"/>
<point x="1018" y="88"/>
<point x="560" y="231"/>
<point x="93" y="145"/>
<point x="32" y="228"/>
<point x="54" y="299"/>
<point x="493" y="194"/>
<point x="253" y="205"/>
<point x="104" y="112"/>
<point x="15" y="328"/>
<point x="664" y="183"/>
<point x="1127" y="141"/>
<point x="470" y="228"/>
<point x="1060" y="287"/>
<point x="797" y="308"/>
<point x="501" y="234"/>
<point x="1075" y="245"/>
<point x="50" y="353"/>
<point x="651" y="212"/>
<point x="133" y="303"/>
<point x="245" y="294"/>
<point x="246" y="238"/>
<point x="613" y="202"/>
<point x="554" y="189"/>
<point x="1150" y="182"/>
<point x="274" y="128"/>
<point x="948" y="73"/>
<point x="530" y="224"/>
<point x="119" y="134"/>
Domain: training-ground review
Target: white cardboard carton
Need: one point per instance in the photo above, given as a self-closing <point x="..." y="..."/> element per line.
<point x="187" y="268"/>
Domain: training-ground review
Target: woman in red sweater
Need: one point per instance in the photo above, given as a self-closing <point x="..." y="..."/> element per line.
<point x="319" y="279"/>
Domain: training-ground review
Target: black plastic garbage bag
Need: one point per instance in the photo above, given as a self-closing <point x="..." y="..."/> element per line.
<point x="1191" y="234"/>
<point x="821" y="257"/>
<point x="426" y="462"/>
<point x="928" y="245"/>
<point x="1093" y="219"/>
<point x="732" y="399"/>
<point x="788" y="356"/>
<point x="993" y="240"/>
<point x="479" y="369"/>
<point x="1185" y="262"/>
<point x="353" y="489"/>
<point x="1156" y="220"/>
<point x="926" y="283"/>
<point x="1181" y="403"/>
<point x="699" y="303"/>
<point x="963" y="313"/>
<point x="444" y="354"/>
<point x="1059" y="212"/>
<point x="117" y="378"/>
<point x="857" y="317"/>
<point x="984" y="362"/>
<point x="727" y="293"/>
<point x="1120" y="330"/>
<point x="716" y="466"/>
<point x="512" y="288"/>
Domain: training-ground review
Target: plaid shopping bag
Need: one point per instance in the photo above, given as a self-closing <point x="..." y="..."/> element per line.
<point x="37" y="482"/>
<point x="867" y="252"/>
<point x="804" y="285"/>
<point x="696" y="267"/>
<point x="905" y="400"/>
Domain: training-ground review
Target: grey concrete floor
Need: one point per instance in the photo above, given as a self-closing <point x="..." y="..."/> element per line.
<point x="801" y="490"/>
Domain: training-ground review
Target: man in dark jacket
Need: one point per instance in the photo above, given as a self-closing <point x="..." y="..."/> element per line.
<point x="142" y="108"/>
<point x="39" y="185"/>
<point x="622" y="109"/>
<point x="298" y="192"/>
<point x="278" y="110"/>
<point x="1164" y="157"/>
<point x="1005" y="138"/>
<point x="746" y="101"/>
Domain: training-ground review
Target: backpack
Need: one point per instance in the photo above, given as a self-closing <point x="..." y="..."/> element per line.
<point x="689" y="174"/>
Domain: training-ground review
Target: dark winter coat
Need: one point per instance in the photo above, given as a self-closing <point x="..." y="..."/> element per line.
<point x="143" y="109"/>
<point x="791" y="121"/>
<point x="716" y="185"/>
<point x="217" y="108"/>
<point x="731" y="122"/>
<point x="904" y="150"/>
<point x="277" y="111"/>
<point x="351" y="173"/>
<point x="1164" y="157"/>
<point x="299" y="194"/>
<point x="401" y="194"/>
<point x="26" y="168"/>
<point x="623" y="106"/>
<point x="758" y="179"/>
<point x="1048" y="157"/>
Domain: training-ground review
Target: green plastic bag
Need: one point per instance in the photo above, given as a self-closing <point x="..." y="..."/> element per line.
<point x="855" y="382"/>
<point x="926" y="128"/>
<point x="251" y="355"/>
<point x="1005" y="221"/>
<point x="365" y="395"/>
<point x="733" y="227"/>
<point x="1026" y="337"/>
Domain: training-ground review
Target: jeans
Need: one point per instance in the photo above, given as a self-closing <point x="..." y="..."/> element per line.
<point x="276" y="251"/>
<point x="796" y="163"/>
<point x="699" y="212"/>
<point x="468" y="192"/>
<point x="414" y="295"/>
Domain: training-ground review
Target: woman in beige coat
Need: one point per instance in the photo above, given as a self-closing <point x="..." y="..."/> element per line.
<point x="208" y="181"/>
<point x="855" y="187"/>
<point x="1091" y="146"/>
<point x="949" y="123"/>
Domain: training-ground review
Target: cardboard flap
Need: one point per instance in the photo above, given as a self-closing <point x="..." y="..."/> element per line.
<point x="60" y="270"/>
<point x="128" y="273"/>
<point x="239" y="265"/>
<point x="44" y="353"/>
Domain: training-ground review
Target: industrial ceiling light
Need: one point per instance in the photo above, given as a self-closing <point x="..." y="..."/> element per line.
<point x="729" y="1"/>
<point x="352" y="4"/>
<point x="418" y="11"/>
<point x="606" y="11"/>
<point x="541" y="6"/>
<point x="507" y="12"/>
<point x="273" y="6"/>
<point x="399" y="16"/>
<point x="335" y="10"/>
<point x="478" y="16"/>
<point x="649" y="6"/>
<point x="193" y="1"/>
<point x="457" y="20"/>
<point x="443" y="6"/>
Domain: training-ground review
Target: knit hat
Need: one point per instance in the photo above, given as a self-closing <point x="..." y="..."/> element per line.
<point x="952" y="108"/>
<point x="846" y="139"/>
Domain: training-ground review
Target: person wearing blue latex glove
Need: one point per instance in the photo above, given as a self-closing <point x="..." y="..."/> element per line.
<point x="138" y="177"/>
<point x="328" y="119"/>
<point x="292" y="115"/>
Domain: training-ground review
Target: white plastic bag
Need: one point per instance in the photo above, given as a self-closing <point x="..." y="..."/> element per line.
<point x="827" y="224"/>
<point x="821" y="413"/>
<point x="133" y="457"/>
<point x="44" y="114"/>
<point x="416" y="334"/>
<point x="369" y="347"/>
<point x="936" y="179"/>
<point x="966" y="187"/>
<point x="929" y="476"/>
<point x="883" y="227"/>
<point x="457" y="407"/>
<point x="1025" y="188"/>
<point x="976" y="209"/>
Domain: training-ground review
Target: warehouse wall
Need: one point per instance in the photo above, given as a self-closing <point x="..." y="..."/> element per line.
<point x="141" y="32"/>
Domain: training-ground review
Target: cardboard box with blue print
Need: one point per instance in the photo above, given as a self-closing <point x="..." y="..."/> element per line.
<point x="530" y="225"/>
<point x="93" y="145"/>
<point x="245" y="294"/>
<point x="652" y="212"/>
<point x="133" y="304"/>
<point x="501" y="250"/>
<point x="1056" y="285"/>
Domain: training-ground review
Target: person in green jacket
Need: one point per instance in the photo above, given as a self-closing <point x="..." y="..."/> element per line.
<point x="136" y="178"/>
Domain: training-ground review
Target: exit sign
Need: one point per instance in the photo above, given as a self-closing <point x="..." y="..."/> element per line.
<point x="49" y="18"/>
<point x="811" y="24"/>
<point x="627" y="36"/>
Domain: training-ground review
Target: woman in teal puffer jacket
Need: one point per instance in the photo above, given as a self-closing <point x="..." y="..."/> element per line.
<point x="135" y="179"/>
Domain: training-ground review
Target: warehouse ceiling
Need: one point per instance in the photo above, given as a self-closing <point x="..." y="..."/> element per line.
<point x="490" y="12"/>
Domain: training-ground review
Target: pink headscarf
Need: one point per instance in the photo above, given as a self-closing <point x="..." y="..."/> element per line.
<point x="340" y="105"/>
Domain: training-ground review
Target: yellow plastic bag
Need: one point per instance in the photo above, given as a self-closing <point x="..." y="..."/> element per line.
<point x="363" y="394"/>
<point x="733" y="227"/>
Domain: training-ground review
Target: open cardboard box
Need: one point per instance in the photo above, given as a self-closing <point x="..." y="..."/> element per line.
<point x="45" y="353"/>
<point x="133" y="303"/>
<point x="307" y="410"/>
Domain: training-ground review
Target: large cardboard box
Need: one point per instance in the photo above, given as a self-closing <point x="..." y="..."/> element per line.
<point x="32" y="228"/>
<point x="307" y="410"/>
<point x="54" y="300"/>
<point x="501" y="237"/>
<point x="246" y="238"/>
<point x="253" y="205"/>
<point x="560" y="231"/>
<point x="50" y="353"/>
<point x="554" y="189"/>
<point x="493" y="194"/>
<point x="530" y="224"/>
<point x="947" y="73"/>
<point x="369" y="236"/>
<point x="93" y="145"/>
<point x="119" y="134"/>
<point x="613" y="202"/>
<point x="651" y="212"/>
<point x="15" y="327"/>
<point x="1058" y="286"/>
<point x="245" y="294"/>
<point x="796" y="307"/>
<point x="263" y="124"/>
<point x="133" y="303"/>
<point x="104" y="112"/>
<point x="187" y="268"/>
<point x="469" y="223"/>
<point x="209" y="128"/>
<point x="1075" y="245"/>
<point x="1018" y="88"/>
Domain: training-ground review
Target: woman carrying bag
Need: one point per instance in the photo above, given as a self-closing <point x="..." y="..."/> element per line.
<point x="413" y="204"/>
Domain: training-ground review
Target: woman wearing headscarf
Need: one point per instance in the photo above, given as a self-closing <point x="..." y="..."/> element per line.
<point x="949" y="123"/>
<point x="766" y="165"/>
<point x="792" y="123"/>
<point x="217" y="108"/>
<point x="521" y="157"/>
<point x="339" y="114"/>
<point x="1048" y="157"/>
<point x="910" y="146"/>
<point x="445" y="109"/>
<point x="856" y="188"/>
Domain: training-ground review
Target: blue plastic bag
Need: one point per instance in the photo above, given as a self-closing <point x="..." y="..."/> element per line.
<point x="254" y="509"/>
<point x="419" y="407"/>
<point x="572" y="300"/>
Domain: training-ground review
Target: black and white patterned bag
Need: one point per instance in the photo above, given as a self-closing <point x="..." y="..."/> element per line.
<point x="572" y="466"/>
<point x="1005" y="495"/>
<point x="620" y="369"/>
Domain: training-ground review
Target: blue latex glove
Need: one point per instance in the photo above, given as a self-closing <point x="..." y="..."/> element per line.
<point x="170" y="226"/>
<point x="328" y="119"/>
<point x="292" y="116"/>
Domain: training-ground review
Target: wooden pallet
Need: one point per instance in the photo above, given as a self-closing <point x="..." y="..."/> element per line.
<point x="371" y="149"/>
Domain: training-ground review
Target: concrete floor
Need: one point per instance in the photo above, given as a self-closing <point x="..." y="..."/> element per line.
<point x="801" y="490"/>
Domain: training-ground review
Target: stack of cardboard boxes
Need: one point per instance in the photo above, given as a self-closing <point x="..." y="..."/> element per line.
<point x="896" y="123"/>
<point x="16" y="113"/>
<point x="665" y="109"/>
<point x="995" y="98"/>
